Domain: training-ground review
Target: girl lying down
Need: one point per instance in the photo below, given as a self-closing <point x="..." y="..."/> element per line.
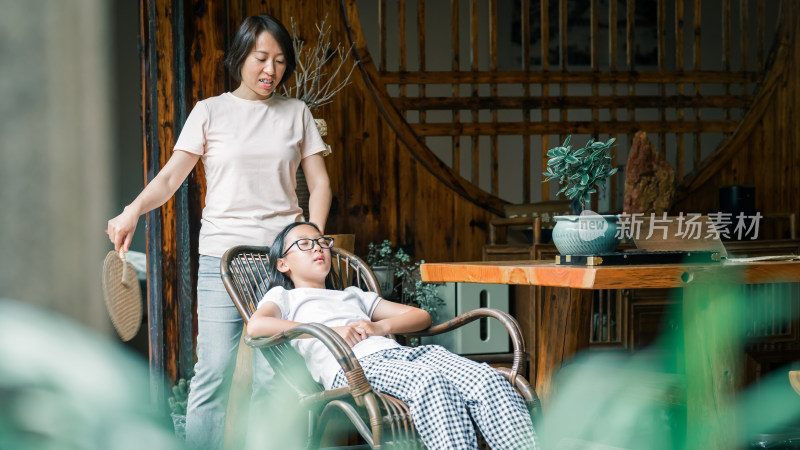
<point x="441" y="388"/>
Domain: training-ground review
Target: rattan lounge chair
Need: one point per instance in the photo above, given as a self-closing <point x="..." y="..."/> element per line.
<point x="382" y="420"/>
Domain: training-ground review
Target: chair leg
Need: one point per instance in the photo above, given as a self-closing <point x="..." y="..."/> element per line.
<point x="351" y="413"/>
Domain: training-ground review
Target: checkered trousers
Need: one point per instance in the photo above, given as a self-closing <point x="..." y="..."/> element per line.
<point x="440" y="387"/>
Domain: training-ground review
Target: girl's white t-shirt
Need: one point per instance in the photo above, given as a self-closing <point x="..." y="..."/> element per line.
<point x="251" y="150"/>
<point x="334" y="309"/>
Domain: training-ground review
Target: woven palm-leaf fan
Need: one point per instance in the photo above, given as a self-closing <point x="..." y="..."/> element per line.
<point x="122" y="295"/>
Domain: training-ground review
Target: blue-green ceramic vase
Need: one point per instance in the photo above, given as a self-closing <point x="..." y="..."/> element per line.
<point x="587" y="234"/>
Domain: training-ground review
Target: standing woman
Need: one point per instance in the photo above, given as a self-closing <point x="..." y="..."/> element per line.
<point x="251" y="142"/>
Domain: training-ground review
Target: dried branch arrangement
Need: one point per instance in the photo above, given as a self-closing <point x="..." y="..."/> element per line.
<point x="313" y="84"/>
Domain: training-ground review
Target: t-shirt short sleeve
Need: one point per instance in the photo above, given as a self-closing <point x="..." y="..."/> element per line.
<point x="368" y="300"/>
<point x="193" y="134"/>
<point x="312" y="141"/>
<point x="280" y="297"/>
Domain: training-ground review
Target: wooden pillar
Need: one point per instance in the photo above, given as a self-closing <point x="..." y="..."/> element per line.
<point x="172" y="256"/>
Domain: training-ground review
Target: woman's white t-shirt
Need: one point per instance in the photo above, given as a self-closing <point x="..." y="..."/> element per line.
<point x="251" y="150"/>
<point x="334" y="309"/>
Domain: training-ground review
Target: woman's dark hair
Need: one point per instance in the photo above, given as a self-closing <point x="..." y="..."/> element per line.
<point x="246" y="37"/>
<point x="278" y="278"/>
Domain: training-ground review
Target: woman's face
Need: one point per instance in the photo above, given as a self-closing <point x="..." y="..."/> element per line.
<point x="263" y="69"/>
<point x="305" y="268"/>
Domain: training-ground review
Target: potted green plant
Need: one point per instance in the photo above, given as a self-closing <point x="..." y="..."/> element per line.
<point x="178" y="401"/>
<point x="581" y="172"/>
<point x="422" y="295"/>
<point x="399" y="278"/>
<point x="384" y="260"/>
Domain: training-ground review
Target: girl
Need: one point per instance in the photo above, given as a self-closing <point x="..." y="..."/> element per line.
<point x="439" y="387"/>
<point x="251" y="142"/>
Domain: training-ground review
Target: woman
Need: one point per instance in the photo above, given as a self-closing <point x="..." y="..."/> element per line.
<point x="442" y="389"/>
<point x="251" y="141"/>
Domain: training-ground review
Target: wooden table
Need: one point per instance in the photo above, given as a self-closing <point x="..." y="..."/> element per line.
<point x="713" y="358"/>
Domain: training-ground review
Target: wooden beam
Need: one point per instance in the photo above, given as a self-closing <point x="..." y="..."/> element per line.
<point x="493" y="66"/>
<point x="544" y="17"/>
<point x="456" y="88"/>
<point x="572" y="127"/>
<point x="573" y="102"/>
<point x="698" y="61"/>
<point x="546" y="76"/>
<point x="525" y="32"/>
<point x="475" y="56"/>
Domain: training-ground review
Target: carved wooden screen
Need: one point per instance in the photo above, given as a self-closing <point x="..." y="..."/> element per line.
<point x="490" y="85"/>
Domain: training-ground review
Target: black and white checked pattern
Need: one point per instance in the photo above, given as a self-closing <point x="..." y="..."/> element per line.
<point x="440" y="387"/>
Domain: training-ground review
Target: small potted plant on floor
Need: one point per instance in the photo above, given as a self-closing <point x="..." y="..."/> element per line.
<point x="581" y="172"/>
<point x="384" y="262"/>
<point x="399" y="278"/>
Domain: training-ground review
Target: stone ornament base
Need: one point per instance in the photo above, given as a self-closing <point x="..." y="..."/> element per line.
<point x="322" y="126"/>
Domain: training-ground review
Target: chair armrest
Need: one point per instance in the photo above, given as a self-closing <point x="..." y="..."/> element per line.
<point x="359" y="386"/>
<point x="505" y="318"/>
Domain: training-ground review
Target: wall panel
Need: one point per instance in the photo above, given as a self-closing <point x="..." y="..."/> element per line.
<point x="764" y="150"/>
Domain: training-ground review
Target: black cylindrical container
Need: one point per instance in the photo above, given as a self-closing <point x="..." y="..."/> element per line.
<point x="737" y="200"/>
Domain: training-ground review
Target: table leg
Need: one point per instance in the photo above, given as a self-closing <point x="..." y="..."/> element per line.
<point x="563" y="330"/>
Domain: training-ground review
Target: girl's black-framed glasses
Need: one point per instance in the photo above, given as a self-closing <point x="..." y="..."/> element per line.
<point x="307" y="244"/>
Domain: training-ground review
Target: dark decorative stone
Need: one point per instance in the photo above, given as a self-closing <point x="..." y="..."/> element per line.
<point x="649" y="179"/>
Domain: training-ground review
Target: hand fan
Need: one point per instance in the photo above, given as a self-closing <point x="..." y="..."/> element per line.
<point x="122" y="295"/>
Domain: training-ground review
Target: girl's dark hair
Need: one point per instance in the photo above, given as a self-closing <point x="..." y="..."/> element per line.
<point x="278" y="278"/>
<point x="246" y="37"/>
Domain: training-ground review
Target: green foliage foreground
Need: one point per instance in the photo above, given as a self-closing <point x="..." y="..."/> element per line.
<point x="658" y="397"/>
<point x="63" y="387"/>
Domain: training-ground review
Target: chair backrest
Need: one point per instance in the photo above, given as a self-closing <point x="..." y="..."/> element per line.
<point x="244" y="271"/>
<point x="245" y="274"/>
<point x="350" y="270"/>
